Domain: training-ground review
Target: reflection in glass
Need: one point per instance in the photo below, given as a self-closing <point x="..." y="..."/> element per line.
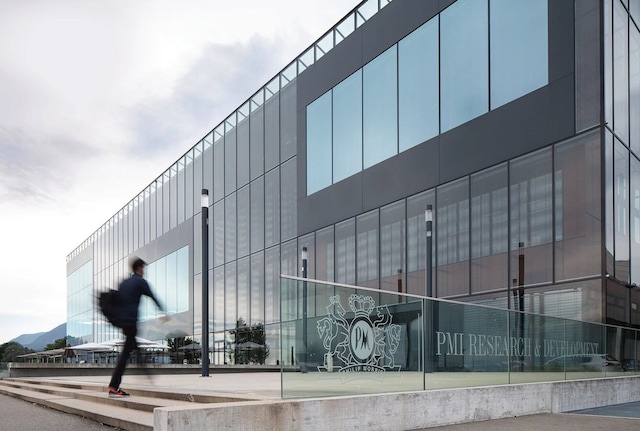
<point x="519" y="49"/>
<point x="464" y="65"/>
<point x="621" y="211"/>
<point x="452" y="234"/>
<point x="418" y="82"/>
<point x="392" y="247"/>
<point x="531" y="201"/>
<point x="380" y="108"/>
<point x="319" y="173"/>
<point x="489" y="229"/>
<point x="347" y="127"/>
<point x="367" y="249"/>
<point x="345" y="243"/>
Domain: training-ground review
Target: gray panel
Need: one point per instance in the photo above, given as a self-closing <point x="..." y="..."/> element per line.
<point x="409" y="172"/>
<point x="83" y="257"/>
<point x="335" y="203"/>
<point x="561" y="39"/>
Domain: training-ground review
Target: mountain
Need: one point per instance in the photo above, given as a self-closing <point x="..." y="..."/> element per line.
<point x="39" y="340"/>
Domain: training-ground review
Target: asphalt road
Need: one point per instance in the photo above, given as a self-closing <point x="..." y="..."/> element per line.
<point x="19" y="415"/>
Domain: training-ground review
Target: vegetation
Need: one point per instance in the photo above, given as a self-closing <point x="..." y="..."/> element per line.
<point x="249" y="344"/>
<point x="60" y="343"/>
<point x="10" y="351"/>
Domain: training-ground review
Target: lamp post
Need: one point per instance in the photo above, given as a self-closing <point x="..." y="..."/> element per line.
<point x="204" y="200"/>
<point x="428" y="218"/>
<point x="303" y="364"/>
<point x="430" y="309"/>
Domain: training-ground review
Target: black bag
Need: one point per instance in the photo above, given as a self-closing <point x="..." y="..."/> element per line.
<point x="109" y="302"/>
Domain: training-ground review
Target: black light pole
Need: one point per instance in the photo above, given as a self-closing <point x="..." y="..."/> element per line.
<point x="303" y="364"/>
<point x="428" y="218"/>
<point x="204" y="200"/>
<point x="430" y="309"/>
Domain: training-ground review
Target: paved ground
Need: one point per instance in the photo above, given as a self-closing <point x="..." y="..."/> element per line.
<point x="23" y="416"/>
<point x="19" y="415"/>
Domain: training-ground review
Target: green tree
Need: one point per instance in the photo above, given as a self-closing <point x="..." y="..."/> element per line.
<point x="249" y="344"/>
<point x="175" y="344"/>
<point x="60" y="343"/>
<point x="10" y="351"/>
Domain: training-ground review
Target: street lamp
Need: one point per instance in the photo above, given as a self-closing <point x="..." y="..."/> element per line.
<point x="428" y="218"/>
<point x="204" y="200"/>
<point x="303" y="365"/>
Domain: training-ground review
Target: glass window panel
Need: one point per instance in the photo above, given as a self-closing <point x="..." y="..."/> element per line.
<point x="230" y="296"/>
<point x="230" y="161"/>
<point x="608" y="207"/>
<point x="635" y="221"/>
<point x="272" y="285"/>
<point x="230" y="228"/>
<point x="289" y="200"/>
<point x="257" y="288"/>
<point x="345" y="243"/>
<point x="243" y="224"/>
<point x="418" y="85"/>
<point x="578" y="206"/>
<point x="197" y="180"/>
<point x="380" y="107"/>
<point x="182" y="280"/>
<point x="257" y="214"/>
<point x="347" y="127"/>
<point x="171" y="283"/>
<point x="288" y="121"/>
<point x="207" y="168"/>
<point x="289" y="266"/>
<point x="319" y="172"/>
<point x="243" y="152"/>
<point x="452" y="238"/>
<point x="519" y="49"/>
<point x="490" y="229"/>
<point x="367" y="249"/>
<point x="218" y="299"/>
<point x="325" y="254"/>
<point x="392" y="247"/>
<point x="256" y="153"/>
<point x="272" y="133"/>
<point x="218" y="169"/>
<point x="607" y="20"/>
<point x="634" y="87"/>
<point x="416" y="241"/>
<point x="588" y="63"/>
<point x="621" y="72"/>
<point x="218" y="233"/>
<point x="463" y="62"/>
<point x="621" y="211"/>
<point x="272" y="207"/>
<point x="244" y="277"/>
<point x="531" y="218"/>
<point x="189" y="190"/>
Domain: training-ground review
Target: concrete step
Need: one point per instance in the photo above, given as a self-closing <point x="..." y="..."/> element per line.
<point x="91" y="400"/>
<point x="117" y="416"/>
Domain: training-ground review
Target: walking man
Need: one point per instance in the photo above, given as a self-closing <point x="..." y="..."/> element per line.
<point x="130" y="292"/>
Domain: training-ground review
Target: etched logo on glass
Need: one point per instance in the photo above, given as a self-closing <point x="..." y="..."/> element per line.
<point x="364" y="340"/>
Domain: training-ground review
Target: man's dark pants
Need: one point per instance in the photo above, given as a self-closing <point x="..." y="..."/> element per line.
<point x="130" y="345"/>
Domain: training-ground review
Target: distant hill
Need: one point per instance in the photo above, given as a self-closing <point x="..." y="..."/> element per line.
<point x="39" y="340"/>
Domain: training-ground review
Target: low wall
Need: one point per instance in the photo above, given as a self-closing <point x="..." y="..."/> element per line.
<point x="403" y="411"/>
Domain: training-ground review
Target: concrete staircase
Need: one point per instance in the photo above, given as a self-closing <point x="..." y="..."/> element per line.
<point x="90" y="400"/>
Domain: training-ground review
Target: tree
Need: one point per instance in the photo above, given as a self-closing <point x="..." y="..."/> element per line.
<point x="60" y="343"/>
<point x="11" y="350"/>
<point x="250" y="344"/>
<point x="174" y="348"/>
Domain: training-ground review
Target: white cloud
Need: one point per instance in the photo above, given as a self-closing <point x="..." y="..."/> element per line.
<point x="99" y="98"/>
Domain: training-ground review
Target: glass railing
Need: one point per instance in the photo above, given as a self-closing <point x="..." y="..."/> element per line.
<point x="347" y="340"/>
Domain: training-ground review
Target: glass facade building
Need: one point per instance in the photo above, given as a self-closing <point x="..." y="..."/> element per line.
<point x="518" y="121"/>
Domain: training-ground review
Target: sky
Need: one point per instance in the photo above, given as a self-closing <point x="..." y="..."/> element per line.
<point x="98" y="98"/>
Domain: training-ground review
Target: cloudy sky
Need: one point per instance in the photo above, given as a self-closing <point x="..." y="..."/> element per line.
<point x="98" y="98"/>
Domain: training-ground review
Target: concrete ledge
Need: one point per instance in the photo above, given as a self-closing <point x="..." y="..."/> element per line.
<point x="405" y="410"/>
